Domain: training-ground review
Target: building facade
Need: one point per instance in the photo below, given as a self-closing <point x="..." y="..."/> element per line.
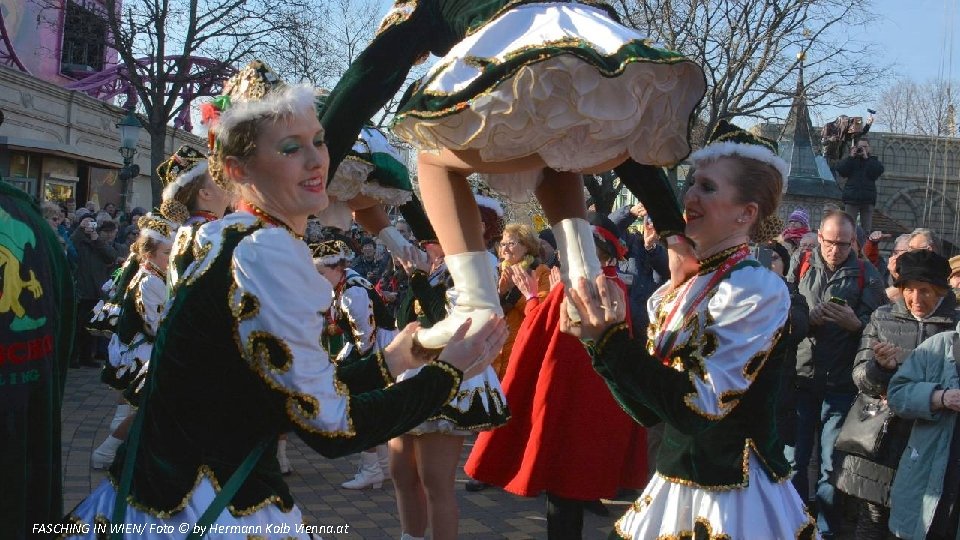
<point x="59" y="144"/>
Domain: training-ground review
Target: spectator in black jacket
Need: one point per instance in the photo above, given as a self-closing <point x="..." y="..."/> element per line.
<point x="862" y="171"/>
<point x="645" y="267"/>
<point x="368" y="265"/>
<point x="797" y="327"/>
<point x="97" y="258"/>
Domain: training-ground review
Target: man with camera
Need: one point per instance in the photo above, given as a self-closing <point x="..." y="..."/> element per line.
<point x="96" y="259"/>
<point x="862" y="170"/>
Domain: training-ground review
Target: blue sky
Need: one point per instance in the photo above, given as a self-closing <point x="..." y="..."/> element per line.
<point x="915" y="36"/>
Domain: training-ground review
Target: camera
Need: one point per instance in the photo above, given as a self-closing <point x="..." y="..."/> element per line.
<point x="91" y="224"/>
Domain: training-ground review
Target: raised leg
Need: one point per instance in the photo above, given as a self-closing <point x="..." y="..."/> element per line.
<point x="453" y="211"/>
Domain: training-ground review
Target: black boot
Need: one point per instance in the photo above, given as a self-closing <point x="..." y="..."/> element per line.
<point x="564" y="518"/>
<point x="651" y="185"/>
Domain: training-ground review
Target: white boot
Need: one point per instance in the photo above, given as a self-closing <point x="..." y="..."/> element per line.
<point x="383" y="458"/>
<point x="369" y="474"/>
<point x="104" y="454"/>
<point x="578" y="255"/>
<point x="285" y="467"/>
<point x="121" y="414"/>
<point x="398" y="246"/>
<point x="475" y="285"/>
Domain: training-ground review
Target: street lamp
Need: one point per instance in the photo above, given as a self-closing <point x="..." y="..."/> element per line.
<point x="129" y="136"/>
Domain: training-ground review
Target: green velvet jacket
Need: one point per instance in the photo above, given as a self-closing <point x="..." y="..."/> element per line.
<point x="696" y="451"/>
<point x="716" y="392"/>
<point x="37" y="318"/>
<point x="210" y="396"/>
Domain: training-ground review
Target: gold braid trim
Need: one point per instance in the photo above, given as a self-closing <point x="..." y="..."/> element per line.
<point x="453" y="372"/>
<point x="384" y="369"/>
<point x="608" y="334"/>
<point x="203" y="471"/>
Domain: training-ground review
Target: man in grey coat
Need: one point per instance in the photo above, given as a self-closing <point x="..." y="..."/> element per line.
<point x="842" y="292"/>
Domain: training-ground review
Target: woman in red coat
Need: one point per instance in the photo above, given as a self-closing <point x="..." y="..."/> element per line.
<point x="567" y="436"/>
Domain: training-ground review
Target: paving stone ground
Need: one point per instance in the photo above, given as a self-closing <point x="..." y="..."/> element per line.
<point x="372" y="514"/>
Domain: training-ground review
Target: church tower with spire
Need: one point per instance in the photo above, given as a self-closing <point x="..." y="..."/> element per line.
<point x="810" y="184"/>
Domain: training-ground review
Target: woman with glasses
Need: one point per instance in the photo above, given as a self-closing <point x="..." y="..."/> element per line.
<point x="524" y="281"/>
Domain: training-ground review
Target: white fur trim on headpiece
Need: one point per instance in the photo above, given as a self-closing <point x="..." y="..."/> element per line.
<point x="158" y="228"/>
<point x="491" y="203"/>
<point x="172" y="188"/>
<point x="751" y="151"/>
<point x="331" y="252"/>
<point x="280" y="102"/>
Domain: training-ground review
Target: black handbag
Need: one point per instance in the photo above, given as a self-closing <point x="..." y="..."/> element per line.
<point x="865" y="426"/>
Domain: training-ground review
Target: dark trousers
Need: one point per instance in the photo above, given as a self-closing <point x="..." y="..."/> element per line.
<point x="872" y="521"/>
<point x="819" y="417"/>
<point x="866" y="215"/>
<point x="564" y="518"/>
<point x="84" y="342"/>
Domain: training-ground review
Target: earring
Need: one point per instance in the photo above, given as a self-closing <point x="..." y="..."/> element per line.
<point x="741" y="220"/>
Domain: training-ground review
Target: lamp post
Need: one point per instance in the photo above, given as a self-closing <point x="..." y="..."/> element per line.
<point x="129" y="129"/>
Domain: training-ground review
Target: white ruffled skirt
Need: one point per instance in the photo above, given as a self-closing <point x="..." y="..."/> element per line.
<point x="267" y="522"/>
<point x="762" y="510"/>
<point x="561" y="80"/>
<point x="479" y="405"/>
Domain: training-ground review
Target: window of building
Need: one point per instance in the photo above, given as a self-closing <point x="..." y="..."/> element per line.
<point x="84" y="39"/>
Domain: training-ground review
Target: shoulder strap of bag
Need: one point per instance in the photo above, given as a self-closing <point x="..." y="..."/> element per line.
<point x="956" y="349"/>
<point x="804" y="265"/>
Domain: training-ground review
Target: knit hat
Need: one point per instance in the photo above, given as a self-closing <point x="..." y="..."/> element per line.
<point x="922" y="265"/>
<point x="607" y="235"/>
<point x="547" y="236"/>
<point x="800" y="215"/>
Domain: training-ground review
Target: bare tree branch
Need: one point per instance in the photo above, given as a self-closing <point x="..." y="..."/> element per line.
<point x="748" y="50"/>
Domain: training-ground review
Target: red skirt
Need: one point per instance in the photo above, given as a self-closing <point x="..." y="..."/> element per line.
<point x="567" y="436"/>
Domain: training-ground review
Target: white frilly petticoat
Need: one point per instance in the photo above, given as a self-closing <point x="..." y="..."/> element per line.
<point x="562" y="107"/>
<point x="761" y="510"/>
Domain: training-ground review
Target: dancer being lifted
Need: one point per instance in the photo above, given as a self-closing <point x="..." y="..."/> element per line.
<point x="530" y="94"/>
